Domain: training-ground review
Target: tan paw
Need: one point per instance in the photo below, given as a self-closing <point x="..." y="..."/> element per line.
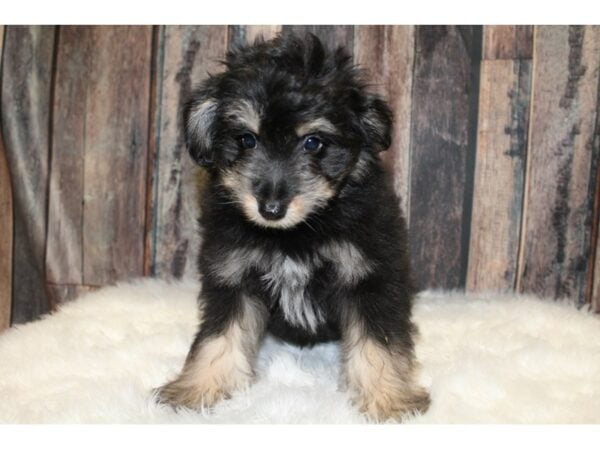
<point x="193" y="396"/>
<point x="379" y="407"/>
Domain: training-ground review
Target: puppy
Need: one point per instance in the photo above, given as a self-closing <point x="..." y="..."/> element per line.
<point x="303" y="238"/>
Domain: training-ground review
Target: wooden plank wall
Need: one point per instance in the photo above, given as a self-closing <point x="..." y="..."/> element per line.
<point x="495" y="152"/>
<point x="504" y="96"/>
<point x="26" y="103"/>
<point x="99" y="155"/>
<point x="556" y="236"/>
<point x="6" y="226"/>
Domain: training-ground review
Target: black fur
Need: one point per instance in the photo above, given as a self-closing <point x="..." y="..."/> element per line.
<point x="291" y="81"/>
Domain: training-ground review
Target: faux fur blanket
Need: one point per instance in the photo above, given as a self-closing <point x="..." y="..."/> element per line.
<point x="486" y="358"/>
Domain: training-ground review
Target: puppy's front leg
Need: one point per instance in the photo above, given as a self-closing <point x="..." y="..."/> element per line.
<point x="222" y="355"/>
<point x="379" y="362"/>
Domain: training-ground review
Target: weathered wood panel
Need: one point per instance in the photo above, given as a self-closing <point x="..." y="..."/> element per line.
<point x="99" y="155"/>
<point x="185" y="56"/>
<point x="116" y="149"/>
<point x="507" y="41"/>
<point x="68" y="292"/>
<point x="6" y="227"/>
<point x="26" y="93"/>
<point x="6" y="236"/>
<point x="64" y="244"/>
<point x="247" y="34"/>
<point x="593" y="283"/>
<point x="556" y="236"/>
<point x="387" y="53"/>
<point x="444" y="117"/>
<point x="499" y="174"/>
<point x="332" y="36"/>
<point x="266" y="31"/>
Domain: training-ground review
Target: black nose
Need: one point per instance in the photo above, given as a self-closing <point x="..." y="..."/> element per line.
<point x="272" y="209"/>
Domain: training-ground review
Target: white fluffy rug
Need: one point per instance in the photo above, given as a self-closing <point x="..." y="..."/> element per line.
<point x="486" y="359"/>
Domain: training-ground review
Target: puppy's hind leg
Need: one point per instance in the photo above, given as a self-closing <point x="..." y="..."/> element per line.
<point x="222" y="356"/>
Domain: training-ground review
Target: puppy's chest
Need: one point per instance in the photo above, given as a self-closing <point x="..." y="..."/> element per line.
<point x="298" y="284"/>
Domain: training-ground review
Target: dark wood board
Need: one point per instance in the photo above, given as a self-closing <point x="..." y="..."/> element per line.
<point x="26" y="105"/>
<point x="444" y="117"/>
<point x="556" y="236"/>
<point x="185" y="56"/>
<point x="499" y="174"/>
<point x="387" y="54"/>
<point x="332" y="36"/>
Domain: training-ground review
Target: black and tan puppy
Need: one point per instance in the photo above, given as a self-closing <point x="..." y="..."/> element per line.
<point x="302" y="236"/>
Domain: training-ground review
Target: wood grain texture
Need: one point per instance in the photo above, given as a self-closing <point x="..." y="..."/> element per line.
<point x="442" y="148"/>
<point x="64" y="244"/>
<point x="185" y="57"/>
<point x="247" y="34"/>
<point x="61" y="293"/>
<point x="593" y="283"/>
<point x="387" y="53"/>
<point x="6" y="227"/>
<point x="499" y="174"/>
<point x="507" y="41"/>
<point x="332" y="36"/>
<point x="100" y="134"/>
<point x="26" y="93"/>
<point x="556" y="236"/>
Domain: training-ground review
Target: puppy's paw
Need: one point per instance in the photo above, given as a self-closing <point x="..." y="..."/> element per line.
<point x="194" y="396"/>
<point x="381" y="406"/>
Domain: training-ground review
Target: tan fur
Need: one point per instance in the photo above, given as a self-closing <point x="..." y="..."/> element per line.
<point x="246" y="114"/>
<point x="314" y="126"/>
<point x="221" y="365"/>
<point x="381" y="379"/>
<point x="200" y="116"/>
<point x="298" y="209"/>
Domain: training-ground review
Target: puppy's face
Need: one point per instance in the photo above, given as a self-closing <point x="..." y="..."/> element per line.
<point x="284" y="127"/>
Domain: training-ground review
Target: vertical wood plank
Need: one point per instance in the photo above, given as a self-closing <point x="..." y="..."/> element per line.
<point x="247" y="34"/>
<point x="116" y="134"/>
<point x="444" y="115"/>
<point x="332" y="36"/>
<point x="67" y="292"/>
<point x="64" y="245"/>
<point x="6" y="237"/>
<point x="99" y="154"/>
<point x="556" y="235"/>
<point x="6" y="226"/>
<point x="26" y="92"/>
<point x="499" y="174"/>
<point x="387" y="53"/>
<point x="593" y="284"/>
<point x="185" y="56"/>
<point x="507" y="41"/>
<point x="266" y="31"/>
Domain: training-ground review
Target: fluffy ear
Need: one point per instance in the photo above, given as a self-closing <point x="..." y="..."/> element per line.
<point x="199" y="118"/>
<point x="377" y="122"/>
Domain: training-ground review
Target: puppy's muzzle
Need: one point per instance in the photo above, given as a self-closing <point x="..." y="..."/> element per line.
<point x="272" y="209"/>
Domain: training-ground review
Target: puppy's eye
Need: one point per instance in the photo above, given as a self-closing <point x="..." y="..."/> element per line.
<point x="248" y="140"/>
<point x="312" y="144"/>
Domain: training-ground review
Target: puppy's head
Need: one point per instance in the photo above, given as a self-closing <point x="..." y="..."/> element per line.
<point x="284" y="127"/>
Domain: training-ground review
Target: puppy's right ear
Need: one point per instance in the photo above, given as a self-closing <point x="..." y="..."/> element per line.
<point x="199" y="118"/>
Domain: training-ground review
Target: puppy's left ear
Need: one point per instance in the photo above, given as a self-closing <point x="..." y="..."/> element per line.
<point x="376" y="121"/>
